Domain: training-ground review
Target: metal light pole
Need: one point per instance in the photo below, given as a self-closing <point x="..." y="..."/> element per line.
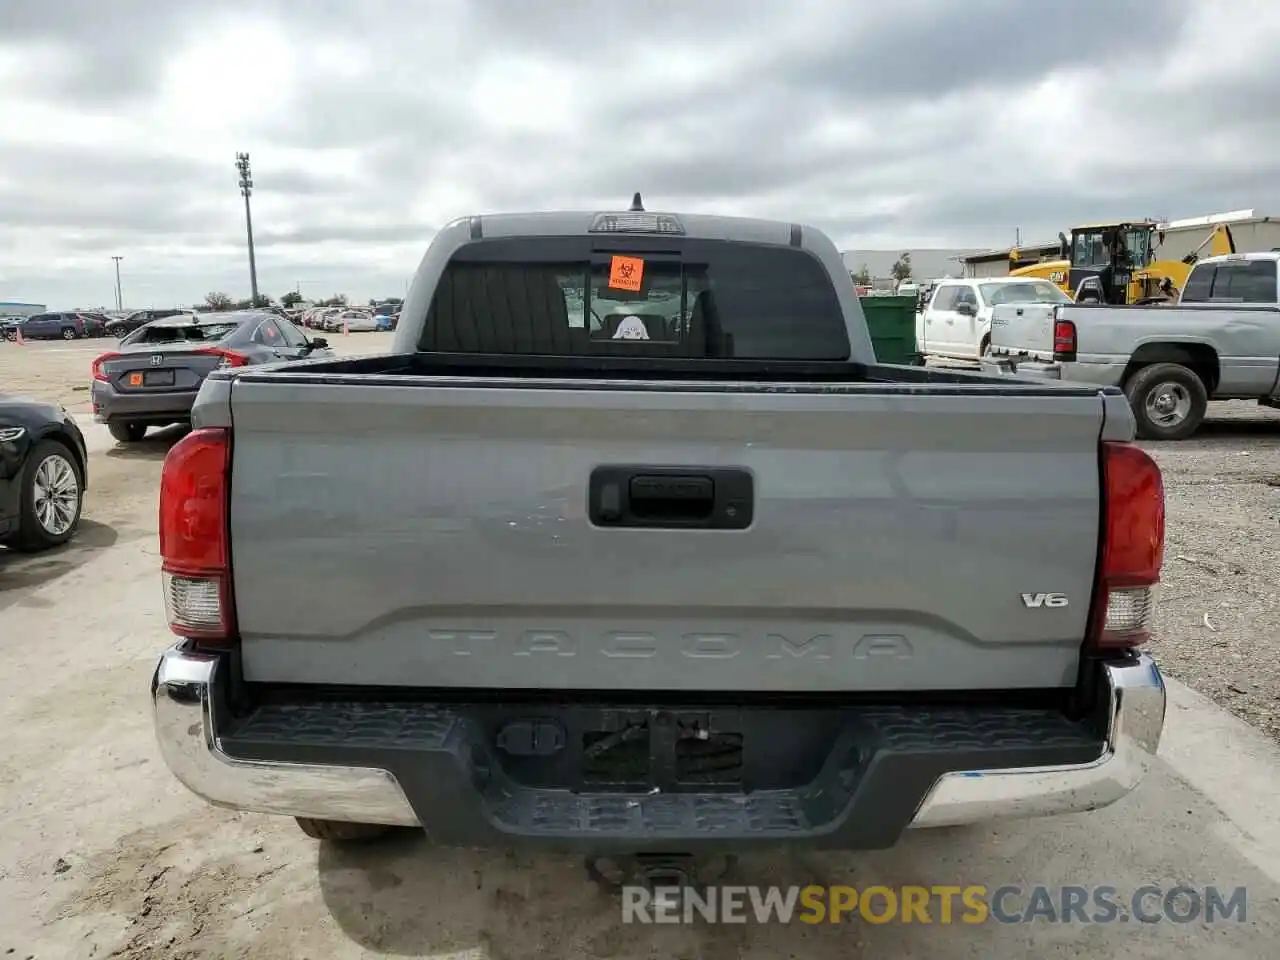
<point x="246" y="188"/>
<point x="119" y="298"/>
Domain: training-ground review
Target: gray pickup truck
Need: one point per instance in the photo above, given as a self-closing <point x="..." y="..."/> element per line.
<point x="1221" y="341"/>
<point x="631" y="546"/>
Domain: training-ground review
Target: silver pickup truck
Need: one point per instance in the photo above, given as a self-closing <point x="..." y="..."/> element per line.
<point x="1220" y="342"/>
<point x="631" y="546"/>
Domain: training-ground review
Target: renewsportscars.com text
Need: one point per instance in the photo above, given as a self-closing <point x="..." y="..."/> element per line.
<point x="938" y="904"/>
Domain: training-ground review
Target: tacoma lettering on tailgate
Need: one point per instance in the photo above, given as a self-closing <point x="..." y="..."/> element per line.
<point x="624" y="644"/>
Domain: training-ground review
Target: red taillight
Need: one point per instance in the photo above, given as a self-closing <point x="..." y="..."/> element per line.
<point x="194" y="488"/>
<point x="229" y="357"/>
<point x="97" y="365"/>
<point x="1064" y="340"/>
<point x="1132" y="547"/>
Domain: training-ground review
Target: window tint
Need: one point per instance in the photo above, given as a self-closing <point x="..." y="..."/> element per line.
<point x="694" y="299"/>
<point x="1089" y="250"/>
<point x="268" y="334"/>
<point x="1248" y="281"/>
<point x="292" y="335"/>
<point x="1199" y="285"/>
<point x="966" y="295"/>
<point x="1253" y="281"/>
<point x="945" y="297"/>
<point x="1137" y="240"/>
<point x="1038" y="292"/>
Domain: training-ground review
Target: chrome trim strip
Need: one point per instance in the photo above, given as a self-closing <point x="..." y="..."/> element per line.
<point x="184" y="712"/>
<point x="1136" y="720"/>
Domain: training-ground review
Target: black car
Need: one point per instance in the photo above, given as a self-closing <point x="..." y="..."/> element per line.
<point x="95" y="323"/>
<point x="123" y="325"/>
<point x="43" y="474"/>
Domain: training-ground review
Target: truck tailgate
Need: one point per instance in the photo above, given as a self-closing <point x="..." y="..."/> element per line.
<point x="436" y="533"/>
<point x="1023" y="329"/>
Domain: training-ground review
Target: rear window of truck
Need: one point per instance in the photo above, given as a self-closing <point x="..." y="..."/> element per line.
<point x="1240" y="281"/>
<point x="693" y="299"/>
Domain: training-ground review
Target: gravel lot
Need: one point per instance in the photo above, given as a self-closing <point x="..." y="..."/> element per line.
<point x="104" y="855"/>
<point x="1218" y="619"/>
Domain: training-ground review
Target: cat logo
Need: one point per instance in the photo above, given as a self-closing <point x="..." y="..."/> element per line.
<point x="1058" y="276"/>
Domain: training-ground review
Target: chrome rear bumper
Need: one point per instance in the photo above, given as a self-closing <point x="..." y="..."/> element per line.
<point x="1135" y="712"/>
<point x="189" y="686"/>
<point x="185" y="701"/>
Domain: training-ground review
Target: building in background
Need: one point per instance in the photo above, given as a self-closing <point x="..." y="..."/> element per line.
<point x="926" y="264"/>
<point x="1251" y="231"/>
<point x="995" y="263"/>
<point x="10" y="308"/>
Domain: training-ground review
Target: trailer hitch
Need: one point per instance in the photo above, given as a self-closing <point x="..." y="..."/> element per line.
<point x="656" y="870"/>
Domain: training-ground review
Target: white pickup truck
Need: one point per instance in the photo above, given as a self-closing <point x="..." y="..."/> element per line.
<point x="1220" y="341"/>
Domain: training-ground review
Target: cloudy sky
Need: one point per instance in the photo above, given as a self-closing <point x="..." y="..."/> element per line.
<point x="917" y="123"/>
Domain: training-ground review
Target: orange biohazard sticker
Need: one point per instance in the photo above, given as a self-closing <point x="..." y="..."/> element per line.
<point x="135" y="379"/>
<point x="626" y="273"/>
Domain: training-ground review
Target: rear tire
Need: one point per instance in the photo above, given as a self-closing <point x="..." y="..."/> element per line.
<point x="1169" y="401"/>
<point x="341" y="831"/>
<point x="68" y="333"/>
<point x="127" y="432"/>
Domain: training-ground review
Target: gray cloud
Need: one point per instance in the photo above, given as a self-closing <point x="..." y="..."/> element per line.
<point x="350" y="233"/>
<point x="954" y="47"/>
<point x="397" y="120"/>
<point x="112" y="50"/>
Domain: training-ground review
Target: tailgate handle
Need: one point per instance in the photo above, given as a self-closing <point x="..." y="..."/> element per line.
<point x="715" y="498"/>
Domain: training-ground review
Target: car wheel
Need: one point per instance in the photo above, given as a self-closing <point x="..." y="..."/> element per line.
<point x="127" y="432"/>
<point x="68" y="333"/>
<point x="341" y="830"/>
<point x="1168" y="400"/>
<point x="52" y="498"/>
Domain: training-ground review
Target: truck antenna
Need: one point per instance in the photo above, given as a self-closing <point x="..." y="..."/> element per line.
<point x="636" y="205"/>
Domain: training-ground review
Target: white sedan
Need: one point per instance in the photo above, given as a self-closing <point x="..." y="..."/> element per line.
<point x="956" y="323"/>
<point x="352" y="321"/>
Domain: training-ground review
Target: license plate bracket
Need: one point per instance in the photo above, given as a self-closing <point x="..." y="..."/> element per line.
<point x="158" y="378"/>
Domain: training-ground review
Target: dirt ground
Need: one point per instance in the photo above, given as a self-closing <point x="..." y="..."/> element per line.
<point x="103" y="854"/>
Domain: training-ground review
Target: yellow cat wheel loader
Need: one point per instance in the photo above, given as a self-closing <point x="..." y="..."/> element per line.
<point x="1117" y="263"/>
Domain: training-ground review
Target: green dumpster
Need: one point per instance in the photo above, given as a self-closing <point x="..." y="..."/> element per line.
<point x="891" y="322"/>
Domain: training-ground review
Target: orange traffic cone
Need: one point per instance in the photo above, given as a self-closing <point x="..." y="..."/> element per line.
<point x="346" y="332"/>
<point x="21" y="342"/>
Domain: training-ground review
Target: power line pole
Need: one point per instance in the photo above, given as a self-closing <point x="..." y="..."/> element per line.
<point x="246" y="188"/>
<point x="119" y="299"/>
